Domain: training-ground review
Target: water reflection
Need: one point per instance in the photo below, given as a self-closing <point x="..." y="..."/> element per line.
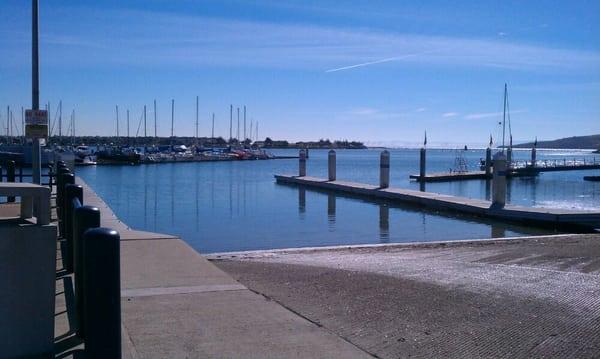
<point x="384" y="223"/>
<point x="331" y="204"/>
<point x="301" y="201"/>
<point x="498" y="230"/>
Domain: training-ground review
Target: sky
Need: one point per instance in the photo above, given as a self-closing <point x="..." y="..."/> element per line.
<point x="381" y="72"/>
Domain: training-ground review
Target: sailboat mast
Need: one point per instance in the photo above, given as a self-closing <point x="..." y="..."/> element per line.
<point x="245" y="123"/>
<point x="212" y="135"/>
<point x="196" y="119"/>
<point x="238" y="125"/>
<point x="504" y="118"/>
<point x="155" y="116"/>
<point x="172" y="119"/>
<point x="230" y="122"/>
<point x="128" y="126"/>
<point x="117" y="112"/>
<point x="60" y="120"/>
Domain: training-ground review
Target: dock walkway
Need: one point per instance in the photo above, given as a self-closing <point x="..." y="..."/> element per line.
<point x="176" y="304"/>
<point x="544" y="216"/>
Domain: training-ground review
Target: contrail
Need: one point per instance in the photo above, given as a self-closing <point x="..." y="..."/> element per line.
<point x="374" y="62"/>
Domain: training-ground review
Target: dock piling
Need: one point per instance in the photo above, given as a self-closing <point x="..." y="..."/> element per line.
<point x="331" y="162"/>
<point x="422" y="164"/>
<point x="499" y="181"/>
<point x="533" y="157"/>
<point x="508" y="156"/>
<point x="488" y="162"/>
<point x="384" y="169"/>
<point x="302" y="164"/>
<point x="10" y="177"/>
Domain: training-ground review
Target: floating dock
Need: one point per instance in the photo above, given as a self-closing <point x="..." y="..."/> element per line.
<point x="540" y="216"/>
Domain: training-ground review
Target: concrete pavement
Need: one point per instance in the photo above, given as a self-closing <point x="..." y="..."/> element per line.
<point x="176" y="304"/>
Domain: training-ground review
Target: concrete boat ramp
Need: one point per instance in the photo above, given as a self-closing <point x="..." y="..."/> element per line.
<point x="540" y="216"/>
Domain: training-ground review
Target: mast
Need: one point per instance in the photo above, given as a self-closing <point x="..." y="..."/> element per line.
<point x="196" y="120"/>
<point x="238" y="125"/>
<point x="127" y="126"/>
<point x="117" y="111"/>
<point x="213" y="128"/>
<point x="23" y="123"/>
<point x="172" y="119"/>
<point x="60" y="119"/>
<point x="245" y="123"/>
<point x="256" y="138"/>
<point x="250" y="130"/>
<point x="155" y="129"/>
<point x="504" y="118"/>
<point x="230" y="122"/>
<point x="145" y="133"/>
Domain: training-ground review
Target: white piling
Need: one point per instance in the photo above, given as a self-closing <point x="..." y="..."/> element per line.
<point x="422" y="164"/>
<point x="331" y="163"/>
<point x="384" y="169"/>
<point x="533" y="157"/>
<point x="499" y="181"/>
<point x="302" y="164"/>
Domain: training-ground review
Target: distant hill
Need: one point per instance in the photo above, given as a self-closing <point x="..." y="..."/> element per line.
<point x="591" y="142"/>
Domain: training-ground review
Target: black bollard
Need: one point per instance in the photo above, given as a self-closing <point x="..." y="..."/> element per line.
<point x="84" y="218"/>
<point x="102" y="293"/>
<point x="60" y="190"/>
<point x="10" y="177"/>
<point x="66" y="179"/>
<point x="72" y="191"/>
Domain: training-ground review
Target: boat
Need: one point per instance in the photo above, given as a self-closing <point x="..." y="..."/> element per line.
<point x="597" y="151"/>
<point x="116" y="154"/>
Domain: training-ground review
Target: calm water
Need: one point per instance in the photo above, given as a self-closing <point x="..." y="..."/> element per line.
<point x="230" y="206"/>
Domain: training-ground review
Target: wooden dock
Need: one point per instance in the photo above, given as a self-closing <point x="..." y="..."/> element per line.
<point x="540" y="216"/>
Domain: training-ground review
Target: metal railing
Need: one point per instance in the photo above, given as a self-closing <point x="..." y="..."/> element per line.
<point x="10" y="171"/>
<point x="93" y="256"/>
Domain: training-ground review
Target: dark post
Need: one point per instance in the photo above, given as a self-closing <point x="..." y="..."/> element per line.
<point x="60" y="191"/>
<point x="84" y="218"/>
<point x="21" y="173"/>
<point x="72" y="191"/>
<point x="102" y="293"/>
<point x="67" y="178"/>
<point x="10" y="176"/>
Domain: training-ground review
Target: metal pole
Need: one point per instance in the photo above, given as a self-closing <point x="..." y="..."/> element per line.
<point x="35" y="91"/>
<point x="230" y="122"/>
<point x="145" y="133"/>
<point x="155" y="128"/>
<point x="244" y="123"/>
<point x="238" y="125"/>
<point x="172" y="117"/>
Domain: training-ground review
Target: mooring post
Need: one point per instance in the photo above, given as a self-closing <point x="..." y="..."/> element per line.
<point x="533" y="157"/>
<point x="302" y="164"/>
<point x="331" y="162"/>
<point x="499" y="181"/>
<point x="102" y="293"/>
<point x="384" y="169"/>
<point x="488" y="162"/>
<point x="422" y="164"/>
<point x="72" y="191"/>
<point x="85" y="217"/>
<point x="66" y="179"/>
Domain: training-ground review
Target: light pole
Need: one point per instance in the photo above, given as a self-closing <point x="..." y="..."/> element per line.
<point x="35" y="91"/>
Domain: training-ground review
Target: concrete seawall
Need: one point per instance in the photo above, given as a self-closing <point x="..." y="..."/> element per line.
<point x="176" y="304"/>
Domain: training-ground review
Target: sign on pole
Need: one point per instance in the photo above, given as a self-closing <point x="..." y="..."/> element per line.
<point x="36" y="124"/>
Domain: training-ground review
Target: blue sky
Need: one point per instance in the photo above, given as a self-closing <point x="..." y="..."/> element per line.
<point x="377" y="71"/>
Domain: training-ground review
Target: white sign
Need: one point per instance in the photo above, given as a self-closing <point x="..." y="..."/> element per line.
<point x="36" y="117"/>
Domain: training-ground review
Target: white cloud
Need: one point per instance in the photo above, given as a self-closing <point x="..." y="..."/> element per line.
<point x="421" y="109"/>
<point x="449" y="114"/>
<point x="481" y="115"/>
